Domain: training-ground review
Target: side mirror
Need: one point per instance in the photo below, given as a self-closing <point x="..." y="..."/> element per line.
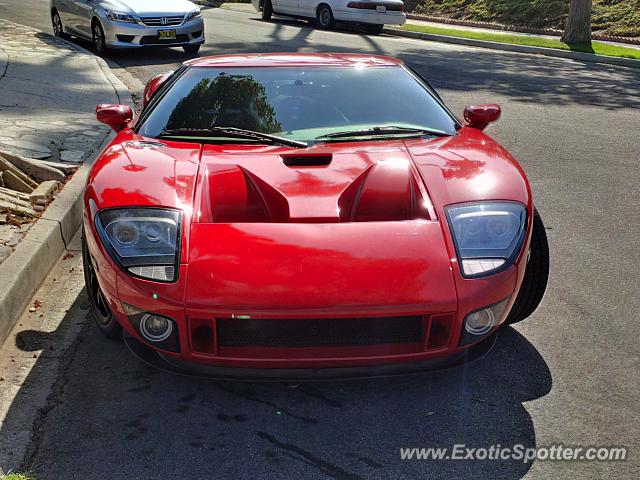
<point x="153" y="85"/>
<point x="116" y="116"/>
<point x="479" y="116"/>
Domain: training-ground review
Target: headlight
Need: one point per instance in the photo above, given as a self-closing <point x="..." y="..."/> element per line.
<point x="488" y="235"/>
<point x="143" y="241"/>
<point x="192" y="15"/>
<point x="120" y="17"/>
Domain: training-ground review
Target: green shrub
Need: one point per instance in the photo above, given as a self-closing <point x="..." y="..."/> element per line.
<point x="614" y="17"/>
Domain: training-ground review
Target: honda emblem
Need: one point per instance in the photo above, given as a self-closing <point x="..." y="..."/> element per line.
<point x="164" y="21"/>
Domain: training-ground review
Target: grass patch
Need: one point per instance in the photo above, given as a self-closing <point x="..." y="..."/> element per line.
<point x="17" y="476"/>
<point x="599" y="48"/>
<point x="612" y="17"/>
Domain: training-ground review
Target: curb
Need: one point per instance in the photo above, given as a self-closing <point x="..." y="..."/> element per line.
<point x="22" y="274"/>
<point x="26" y="268"/>
<point x="549" y="52"/>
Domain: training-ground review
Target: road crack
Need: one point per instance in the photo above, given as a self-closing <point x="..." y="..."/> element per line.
<point x="293" y="451"/>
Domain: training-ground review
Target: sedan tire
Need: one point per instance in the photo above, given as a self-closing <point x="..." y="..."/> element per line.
<point x="373" y="28"/>
<point x="191" y="49"/>
<point x="58" y="29"/>
<point x="267" y="10"/>
<point x="536" y="275"/>
<point x="99" y="41"/>
<point x="324" y="17"/>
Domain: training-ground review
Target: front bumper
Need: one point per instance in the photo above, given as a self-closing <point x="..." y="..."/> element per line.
<point x="132" y="35"/>
<point x="174" y="365"/>
<point x="223" y="361"/>
<point x="171" y="300"/>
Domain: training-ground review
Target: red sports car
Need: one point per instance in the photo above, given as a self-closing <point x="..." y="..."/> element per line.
<point x="304" y="214"/>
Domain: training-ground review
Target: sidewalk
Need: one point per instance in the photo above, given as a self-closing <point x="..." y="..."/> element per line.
<point x="48" y="92"/>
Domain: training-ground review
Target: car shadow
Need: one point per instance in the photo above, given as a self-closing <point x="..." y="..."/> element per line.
<point x="111" y="416"/>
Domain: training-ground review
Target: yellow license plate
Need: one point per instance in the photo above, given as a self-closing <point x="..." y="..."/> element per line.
<point x="167" y="34"/>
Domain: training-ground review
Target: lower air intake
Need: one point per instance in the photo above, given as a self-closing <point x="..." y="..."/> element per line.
<point x="320" y="332"/>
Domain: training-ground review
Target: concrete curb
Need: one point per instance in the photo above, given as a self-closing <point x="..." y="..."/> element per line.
<point x="4" y="63"/>
<point x="549" y="52"/>
<point x="26" y="268"/>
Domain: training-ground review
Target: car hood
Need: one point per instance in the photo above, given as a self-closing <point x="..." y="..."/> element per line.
<point x="151" y="7"/>
<point x="330" y="183"/>
<point x="355" y="182"/>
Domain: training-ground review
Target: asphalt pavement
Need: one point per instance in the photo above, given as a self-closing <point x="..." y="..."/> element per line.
<point x="569" y="374"/>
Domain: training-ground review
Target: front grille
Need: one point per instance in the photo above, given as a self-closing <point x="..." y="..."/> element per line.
<point x="155" y="40"/>
<point x="162" y="21"/>
<point x="320" y="332"/>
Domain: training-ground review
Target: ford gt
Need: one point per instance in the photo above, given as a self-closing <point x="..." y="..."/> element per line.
<point x="303" y="214"/>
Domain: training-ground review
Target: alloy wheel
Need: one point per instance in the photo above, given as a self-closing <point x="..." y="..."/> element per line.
<point x="325" y="17"/>
<point x="98" y="39"/>
<point x="57" y="25"/>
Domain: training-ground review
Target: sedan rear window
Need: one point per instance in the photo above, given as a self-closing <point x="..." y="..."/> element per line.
<point x="296" y="103"/>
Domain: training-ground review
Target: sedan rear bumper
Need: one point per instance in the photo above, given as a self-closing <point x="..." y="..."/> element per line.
<point x="370" y="16"/>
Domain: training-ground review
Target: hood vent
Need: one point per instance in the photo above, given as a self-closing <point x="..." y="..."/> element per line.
<point x="314" y="160"/>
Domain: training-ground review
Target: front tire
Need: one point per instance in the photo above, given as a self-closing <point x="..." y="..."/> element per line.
<point x="58" y="29"/>
<point x="373" y="29"/>
<point x="106" y="322"/>
<point x="536" y="275"/>
<point x="267" y="10"/>
<point x="191" y="49"/>
<point x="324" y="17"/>
<point x="99" y="41"/>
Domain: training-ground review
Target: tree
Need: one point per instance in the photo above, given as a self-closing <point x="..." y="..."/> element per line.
<point x="226" y="101"/>
<point x="578" y="27"/>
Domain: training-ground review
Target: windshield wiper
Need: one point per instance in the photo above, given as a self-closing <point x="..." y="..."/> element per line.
<point x="384" y="130"/>
<point x="230" y="132"/>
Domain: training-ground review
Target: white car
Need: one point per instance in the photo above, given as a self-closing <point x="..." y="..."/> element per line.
<point x="112" y="24"/>
<point x="372" y="14"/>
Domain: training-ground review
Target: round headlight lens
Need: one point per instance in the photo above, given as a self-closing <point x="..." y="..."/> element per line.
<point x="126" y="233"/>
<point x="153" y="232"/>
<point x="500" y="227"/>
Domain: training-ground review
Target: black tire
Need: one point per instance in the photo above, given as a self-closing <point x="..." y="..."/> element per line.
<point x="99" y="42"/>
<point x="324" y="16"/>
<point x="267" y="10"/>
<point x="106" y="322"/>
<point x="58" y="29"/>
<point x="373" y="29"/>
<point x="536" y="276"/>
<point x="191" y="49"/>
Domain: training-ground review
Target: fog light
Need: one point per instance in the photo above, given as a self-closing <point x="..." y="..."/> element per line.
<point x="480" y="322"/>
<point x="155" y="328"/>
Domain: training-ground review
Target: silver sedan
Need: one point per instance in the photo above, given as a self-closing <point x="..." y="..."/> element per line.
<point x="115" y="24"/>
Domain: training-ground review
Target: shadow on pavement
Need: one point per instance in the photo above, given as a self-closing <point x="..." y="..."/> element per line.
<point x="520" y="77"/>
<point x="110" y="416"/>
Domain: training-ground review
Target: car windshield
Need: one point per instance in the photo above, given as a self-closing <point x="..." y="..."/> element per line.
<point x="303" y="104"/>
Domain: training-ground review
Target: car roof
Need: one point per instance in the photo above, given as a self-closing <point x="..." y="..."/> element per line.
<point x="295" y="60"/>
